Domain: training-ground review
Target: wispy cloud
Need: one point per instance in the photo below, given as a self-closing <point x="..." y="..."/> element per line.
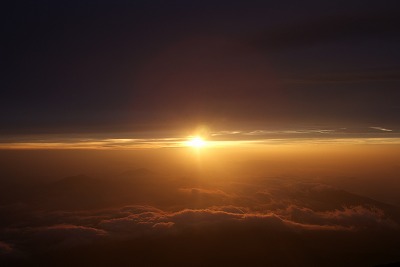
<point x="381" y="129"/>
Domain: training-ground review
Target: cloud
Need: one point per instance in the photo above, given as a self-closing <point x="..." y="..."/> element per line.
<point x="357" y="218"/>
<point x="293" y="218"/>
<point x="59" y="236"/>
<point x="163" y="225"/>
<point x="259" y="207"/>
<point x="224" y="133"/>
<point x="148" y="223"/>
<point x="231" y="209"/>
<point x="5" y="248"/>
<point x="268" y="221"/>
<point x="381" y="129"/>
<point x="138" y="209"/>
<point x="204" y="192"/>
<point x="136" y="223"/>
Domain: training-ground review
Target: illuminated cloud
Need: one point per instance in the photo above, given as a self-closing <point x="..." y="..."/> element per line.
<point x="289" y="216"/>
<point x="204" y="192"/>
<point x="293" y="218"/>
<point x="357" y="218"/>
<point x="225" y="133"/>
<point x="163" y="225"/>
<point x="381" y="129"/>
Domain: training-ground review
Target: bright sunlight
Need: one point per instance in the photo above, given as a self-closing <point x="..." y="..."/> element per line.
<point x="196" y="142"/>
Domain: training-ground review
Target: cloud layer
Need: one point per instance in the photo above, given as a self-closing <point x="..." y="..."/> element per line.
<point x="200" y="216"/>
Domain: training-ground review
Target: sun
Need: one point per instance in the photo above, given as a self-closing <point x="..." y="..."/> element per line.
<point x="196" y="142"/>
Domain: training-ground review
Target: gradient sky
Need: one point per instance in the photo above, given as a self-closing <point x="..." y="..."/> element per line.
<point x="71" y="67"/>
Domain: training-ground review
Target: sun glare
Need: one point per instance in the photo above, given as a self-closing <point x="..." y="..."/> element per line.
<point x="196" y="142"/>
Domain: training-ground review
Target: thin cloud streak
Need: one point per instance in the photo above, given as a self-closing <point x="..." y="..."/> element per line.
<point x="180" y="143"/>
<point x="223" y="138"/>
<point x="381" y="129"/>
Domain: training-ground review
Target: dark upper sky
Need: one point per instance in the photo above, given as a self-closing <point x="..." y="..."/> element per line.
<point x="113" y="66"/>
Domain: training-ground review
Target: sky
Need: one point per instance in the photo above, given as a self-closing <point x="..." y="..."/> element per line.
<point x="145" y="68"/>
<point x="199" y="133"/>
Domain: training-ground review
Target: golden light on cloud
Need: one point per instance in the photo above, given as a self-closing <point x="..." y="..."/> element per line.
<point x="196" y="142"/>
<point x="203" y="137"/>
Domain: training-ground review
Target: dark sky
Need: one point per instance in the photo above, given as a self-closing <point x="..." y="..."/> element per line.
<point x="115" y="66"/>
